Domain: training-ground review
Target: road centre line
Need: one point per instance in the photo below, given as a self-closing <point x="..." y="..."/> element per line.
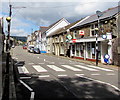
<point x="87" y="68"/>
<point x="101" y="82"/>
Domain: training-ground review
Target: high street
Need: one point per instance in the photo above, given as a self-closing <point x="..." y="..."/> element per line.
<point x="54" y="77"/>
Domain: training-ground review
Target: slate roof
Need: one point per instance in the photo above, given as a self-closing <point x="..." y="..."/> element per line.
<point x="106" y="14"/>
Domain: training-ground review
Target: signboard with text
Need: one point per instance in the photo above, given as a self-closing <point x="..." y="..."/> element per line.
<point x="81" y="32"/>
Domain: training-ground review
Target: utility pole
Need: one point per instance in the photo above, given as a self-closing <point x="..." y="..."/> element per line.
<point x="99" y="14"/>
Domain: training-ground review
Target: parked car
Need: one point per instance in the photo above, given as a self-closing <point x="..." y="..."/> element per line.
<point x="30" y="47"/>
<point x="24" y="46"/>
<point x="31" y="50"/>
<point x="36" y="50"/>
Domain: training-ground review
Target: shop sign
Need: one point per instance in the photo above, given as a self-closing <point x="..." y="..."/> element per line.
<point x="74" y="40"/>
<point x="81" y="32"/>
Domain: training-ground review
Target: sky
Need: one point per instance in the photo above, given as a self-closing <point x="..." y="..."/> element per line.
<point x="29" y="15"/>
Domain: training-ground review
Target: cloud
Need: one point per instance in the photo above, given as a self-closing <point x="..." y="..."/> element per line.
<point x="46" y="13"/>
<point x="91" y="8"/>
<point x="18" y="32"/>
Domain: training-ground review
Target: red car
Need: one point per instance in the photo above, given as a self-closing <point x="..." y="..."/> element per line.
<point x="24" y="47"/>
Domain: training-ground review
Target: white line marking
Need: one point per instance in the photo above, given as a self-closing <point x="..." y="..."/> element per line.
<point x="71" y="68"/>
<point x="41" y="63"/>
<point x="104" y="69"/>
<point x="110" y="74"/>
<point x="25" y="77"/>
<point x="87" y="68"/>
<point x="62" y="75"/>
<point x="32" y="95"/>
<point x="95" y="74"/>
<point x="39" y="68"/>
<point x="55" y="68"/>
<point x="23" y="70"/>
<point x="102" y="82"/>
<point x="30" y="89"/>
<point x="79" y="74"/>
<point x="30" y="63"/>
<point x="44" y="76"/>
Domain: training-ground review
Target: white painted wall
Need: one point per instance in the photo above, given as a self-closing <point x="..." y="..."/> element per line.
<point x="59" y="25"/>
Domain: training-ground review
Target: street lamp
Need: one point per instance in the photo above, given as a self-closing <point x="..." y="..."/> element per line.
<point x="99" y="14"/>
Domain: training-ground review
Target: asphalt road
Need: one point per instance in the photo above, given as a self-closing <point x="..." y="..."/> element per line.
<point x="54" y="77"/>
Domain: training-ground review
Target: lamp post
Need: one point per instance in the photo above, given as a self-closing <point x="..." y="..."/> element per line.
<point x="99" y="14"/>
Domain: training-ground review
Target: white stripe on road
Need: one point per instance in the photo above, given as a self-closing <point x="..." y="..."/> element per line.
<point x="87" y="68"/>
<point x="23" y="70"/>
<point x="30" y="63"/>
<point x="25" y="77"/>
<point x="55" y="68"/>
<point x="30" y="89"/>
<point x="62" y="75"/>
<point x="95" y="74"/>
<point x="104" y="69"/>
<point x="79" y="74"/>
<point x="39" y="68"/>
<point x="41" y="63"/>
<point x="110" y="74"/>
<point x="71" y="68"/>
<point x="42" y="76"/>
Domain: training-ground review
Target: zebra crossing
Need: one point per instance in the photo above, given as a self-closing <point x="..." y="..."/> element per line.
<point x="63" y="68"/>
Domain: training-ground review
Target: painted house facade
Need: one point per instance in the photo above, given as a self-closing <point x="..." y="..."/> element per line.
<point x="58" y="41"/>
<point x="83" y="46"/>
<point x="52" y="28"/>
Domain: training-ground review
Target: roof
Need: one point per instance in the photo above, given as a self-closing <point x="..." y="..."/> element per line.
<point x="52" y="25"/>
<point x="106" y="14"/>
<point x="63" y="29"/>
<point x="43" y="29"/>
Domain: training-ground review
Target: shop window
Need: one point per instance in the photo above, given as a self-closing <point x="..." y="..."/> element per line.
<point x="93" y="50"/>
<point x="89" y="50"/>
<point x="81" y="50"/>
<point x="73" y="49"/>
<point x="77" y="49"/>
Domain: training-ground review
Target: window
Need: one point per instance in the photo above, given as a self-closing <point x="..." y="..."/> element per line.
<point x="93" y="50"/>
<point x="93" y="29"/>
<point x="77" y="49"/>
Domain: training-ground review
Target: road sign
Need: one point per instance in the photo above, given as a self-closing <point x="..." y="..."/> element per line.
<point x="69" y="36"/>
<point x="81" y="32"/>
